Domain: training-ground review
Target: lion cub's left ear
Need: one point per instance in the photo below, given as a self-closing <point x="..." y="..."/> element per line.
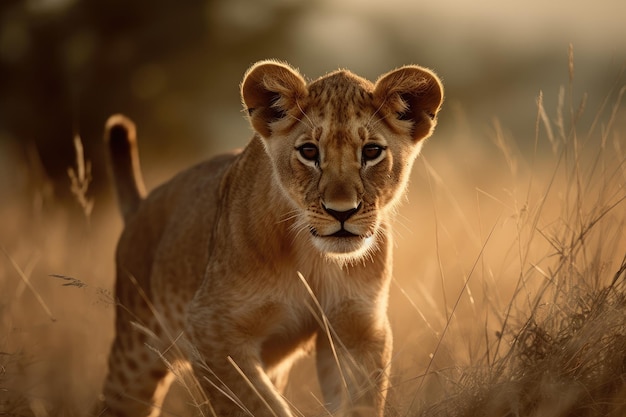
<point x="269" y="91"/>
<point x="414" y="94"/>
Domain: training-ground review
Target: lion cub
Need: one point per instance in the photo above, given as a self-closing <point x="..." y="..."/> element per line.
<point x="241" y="262"/>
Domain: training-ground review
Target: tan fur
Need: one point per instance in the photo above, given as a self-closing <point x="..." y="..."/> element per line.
<point x="243" y="261"/>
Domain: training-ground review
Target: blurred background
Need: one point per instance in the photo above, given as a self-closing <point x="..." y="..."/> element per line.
<point x="492" y="198"/>
<point x="175" y="67"/>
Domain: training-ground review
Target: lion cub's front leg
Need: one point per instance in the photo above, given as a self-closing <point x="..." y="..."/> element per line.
<point x="229" y="366"/>
<point x="353" y="362"/>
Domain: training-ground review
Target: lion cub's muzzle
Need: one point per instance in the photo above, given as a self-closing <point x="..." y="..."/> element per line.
<point x="341" y="235"/>
<point x="342" y="216"/>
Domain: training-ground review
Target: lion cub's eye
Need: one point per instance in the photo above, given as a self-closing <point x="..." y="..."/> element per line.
<point x="371" y="152"/>
<point x="309" y="152"/>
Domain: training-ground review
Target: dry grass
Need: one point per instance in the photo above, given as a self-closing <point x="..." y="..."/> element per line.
<point x="509" y="297"/>
<point x="558" y="347"/>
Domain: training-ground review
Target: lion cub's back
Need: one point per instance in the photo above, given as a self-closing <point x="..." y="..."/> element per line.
<point x="164" y="245"/>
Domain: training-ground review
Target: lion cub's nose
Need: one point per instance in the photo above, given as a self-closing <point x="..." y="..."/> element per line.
<point x="341" y="215"/>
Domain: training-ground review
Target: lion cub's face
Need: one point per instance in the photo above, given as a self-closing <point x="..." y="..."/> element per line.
<point x="342" y="147"/>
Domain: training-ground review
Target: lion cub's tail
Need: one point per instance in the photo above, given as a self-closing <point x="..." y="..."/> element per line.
<point x="120" y="136"/>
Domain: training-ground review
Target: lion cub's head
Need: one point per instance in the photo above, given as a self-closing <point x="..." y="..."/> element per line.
<point x="341" y="147"/>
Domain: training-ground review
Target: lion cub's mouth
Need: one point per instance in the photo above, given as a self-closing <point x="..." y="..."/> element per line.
<point x="340" y="233"/>
<point x="342" y="243"/>
<point x="343" y="233"/>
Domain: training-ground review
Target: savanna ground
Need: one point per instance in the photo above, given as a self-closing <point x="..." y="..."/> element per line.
<point x="509" y="296"/>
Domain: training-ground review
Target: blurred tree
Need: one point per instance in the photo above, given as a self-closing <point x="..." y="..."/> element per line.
<point x="65" y="66"/>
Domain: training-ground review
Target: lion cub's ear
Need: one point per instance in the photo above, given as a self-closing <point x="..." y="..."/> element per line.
<point x="269" y="91"/>
<point x="411" y="93"/>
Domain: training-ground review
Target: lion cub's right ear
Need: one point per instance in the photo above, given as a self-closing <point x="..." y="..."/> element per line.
<point x="269" y="91"/>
